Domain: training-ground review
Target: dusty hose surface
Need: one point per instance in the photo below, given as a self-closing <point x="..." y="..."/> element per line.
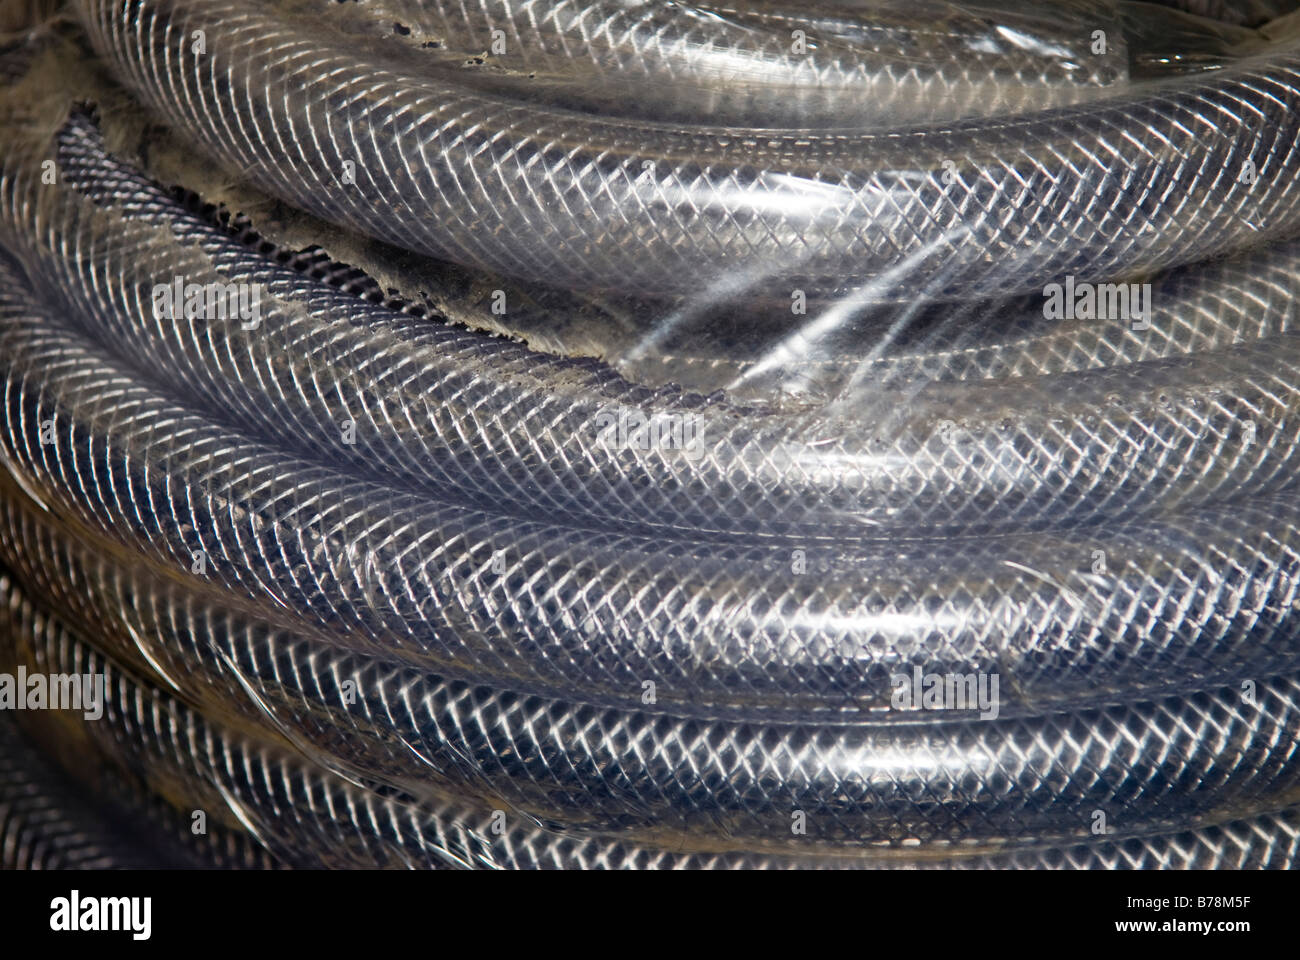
<point x="384" y="590"/>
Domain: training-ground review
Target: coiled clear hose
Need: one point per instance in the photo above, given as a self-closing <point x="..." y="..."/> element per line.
<point x="309" y="817"/>
<point x="462" y="609"/>
<point x="1111" y="188"/>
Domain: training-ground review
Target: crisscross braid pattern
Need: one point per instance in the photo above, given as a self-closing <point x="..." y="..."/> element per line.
<point x="1102" y="188"/>
<point x="314" y="818"/>
<point x="385" y="591"/>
